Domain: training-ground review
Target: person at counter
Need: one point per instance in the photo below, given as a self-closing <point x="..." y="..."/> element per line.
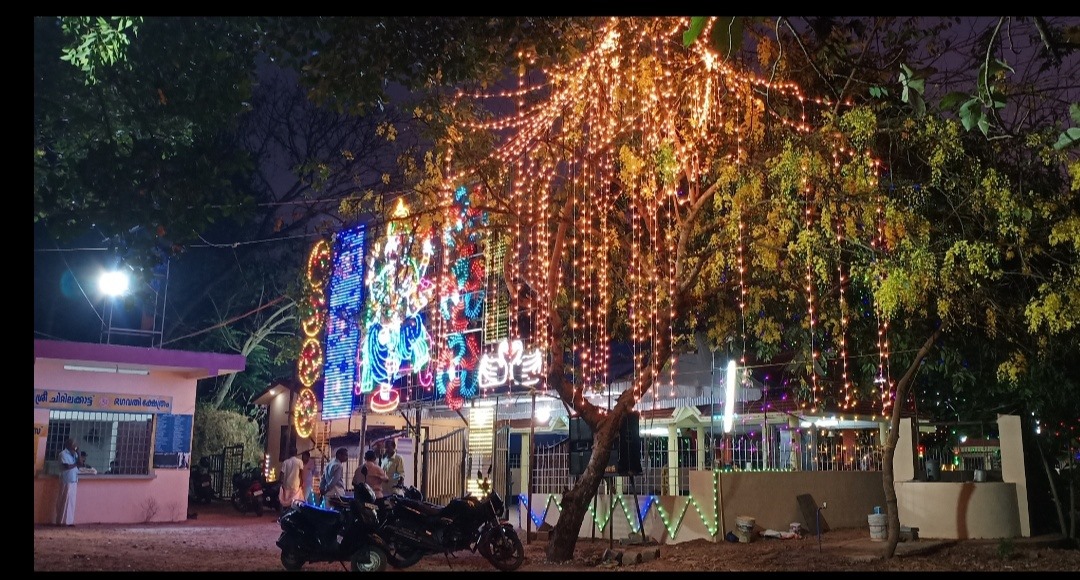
<point x="69" y="483"/>
<point x="84" y="465"/>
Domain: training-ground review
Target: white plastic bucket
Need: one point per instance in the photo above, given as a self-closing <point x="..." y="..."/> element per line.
<point x="879" y="527"/>
<point x="744" y="528"/>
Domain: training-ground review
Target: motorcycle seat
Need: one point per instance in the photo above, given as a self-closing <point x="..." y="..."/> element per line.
<point x="319" y="515"/>
<point x="423" y="507"/>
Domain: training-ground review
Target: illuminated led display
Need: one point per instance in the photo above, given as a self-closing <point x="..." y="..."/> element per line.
<point x="345" y="303"/>
<point x="461" y="304"/>
<point x="396" y="340"/>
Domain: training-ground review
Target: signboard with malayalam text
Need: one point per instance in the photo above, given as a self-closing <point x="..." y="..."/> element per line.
<point x="114" y="402"/>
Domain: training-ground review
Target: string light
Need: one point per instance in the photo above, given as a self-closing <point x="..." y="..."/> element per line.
<point x="631" y="142"/>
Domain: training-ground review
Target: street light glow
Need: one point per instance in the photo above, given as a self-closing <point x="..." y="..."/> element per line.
<point x="113" y="283"/>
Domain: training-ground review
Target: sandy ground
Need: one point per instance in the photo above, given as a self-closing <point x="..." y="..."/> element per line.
<point x="221" y="539"/>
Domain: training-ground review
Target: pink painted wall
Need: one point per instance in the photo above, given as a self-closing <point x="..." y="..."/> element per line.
<point x="160" y="496"/>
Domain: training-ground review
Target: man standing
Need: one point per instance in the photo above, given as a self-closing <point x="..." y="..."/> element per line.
<point x="290" y="480"/>
<point x="69" y="481"/>
<point x="332" y="484"/>
<point x="370" y="473"/>
<point x="307" y="477"/>
<point x="393" y="465"/>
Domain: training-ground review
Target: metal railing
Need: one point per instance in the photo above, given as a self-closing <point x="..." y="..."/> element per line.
<point x="799" y="451"/>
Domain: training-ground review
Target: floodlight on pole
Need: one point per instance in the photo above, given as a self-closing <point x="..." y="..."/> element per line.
<point x="729" y="397"/>
<point x="114" y="283"/>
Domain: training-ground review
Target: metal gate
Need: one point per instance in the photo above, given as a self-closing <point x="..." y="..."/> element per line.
<point x="443" y="473"/>
<point x="500" y="473"/>
<point x="215" y="466"/>
<point x="232" y="461"/>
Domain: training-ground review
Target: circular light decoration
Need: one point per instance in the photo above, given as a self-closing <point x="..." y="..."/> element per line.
<point x="305" y="413"/>
<point x="313" y="312"/>
<point x="318" y="266"/>
<point x="309" y="365"/>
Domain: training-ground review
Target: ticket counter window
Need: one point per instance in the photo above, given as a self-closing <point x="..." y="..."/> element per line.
<point x="115" y="443"/>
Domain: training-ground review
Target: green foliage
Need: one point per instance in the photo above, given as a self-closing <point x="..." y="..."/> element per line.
<point x="99" y="42"/>
<point x="214" y="429"/>
<point x="349" y="63"/>
<point x="860" y="125"/>
<point x="697" y="24"/>
<point x="1071" y="136"/>
<point x="913" y="84"/>
<point x="146" y="155"/>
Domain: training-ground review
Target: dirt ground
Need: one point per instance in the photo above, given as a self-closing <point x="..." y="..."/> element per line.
<point x="221" y="539"/>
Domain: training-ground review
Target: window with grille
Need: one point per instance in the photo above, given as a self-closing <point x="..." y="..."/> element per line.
<point x="116" y="443"/>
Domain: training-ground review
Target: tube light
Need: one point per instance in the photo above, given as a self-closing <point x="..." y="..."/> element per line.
<point x="729" y="397"/>
<point x="105" y="369"/>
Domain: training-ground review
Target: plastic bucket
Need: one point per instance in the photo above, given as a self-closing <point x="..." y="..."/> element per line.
<point x="744" y="528"/>
<point x="879" y="527"/>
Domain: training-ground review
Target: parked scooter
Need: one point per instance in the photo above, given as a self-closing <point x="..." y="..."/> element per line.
<point x="252" y="494"/>
<point x="311" y="533"/>
<point x="413" y="528"/>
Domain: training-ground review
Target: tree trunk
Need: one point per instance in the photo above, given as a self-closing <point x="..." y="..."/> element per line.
<point x="1053" y="487"/>
<point x="890" y="445"/>
<point x="575" y="502"/>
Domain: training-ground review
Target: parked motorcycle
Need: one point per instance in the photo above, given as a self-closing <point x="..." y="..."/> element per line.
<point x="316" y="534"/>
<point x="252" y="493"/>
<point x="202" y="484"/>
<point x="413" y="528"/>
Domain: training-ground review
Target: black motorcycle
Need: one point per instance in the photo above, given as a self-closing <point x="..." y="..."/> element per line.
<point x="311" y="533"/>
<point x="252" y="493"/>
<point x="202" y="484"/>
<point x="413" y="528"/>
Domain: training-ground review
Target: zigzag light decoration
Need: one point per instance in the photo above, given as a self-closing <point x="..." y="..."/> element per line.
<point x="672" y="522"/>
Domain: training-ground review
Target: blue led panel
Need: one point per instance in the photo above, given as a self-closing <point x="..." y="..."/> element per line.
<point x="345" y="302"/>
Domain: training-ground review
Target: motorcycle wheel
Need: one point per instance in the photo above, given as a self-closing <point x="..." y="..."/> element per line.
<point x="503" y="549"/>
<point x="239" y="503"/>
<point x="403" y="556"/>
<point x="369" y="559"/>
<point x="291" y="560"/>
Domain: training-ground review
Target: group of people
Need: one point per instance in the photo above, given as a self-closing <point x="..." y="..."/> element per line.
<point x="382" y="469"/>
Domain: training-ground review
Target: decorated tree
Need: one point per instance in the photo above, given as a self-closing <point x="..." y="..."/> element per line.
<point x="651" y="189"/>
